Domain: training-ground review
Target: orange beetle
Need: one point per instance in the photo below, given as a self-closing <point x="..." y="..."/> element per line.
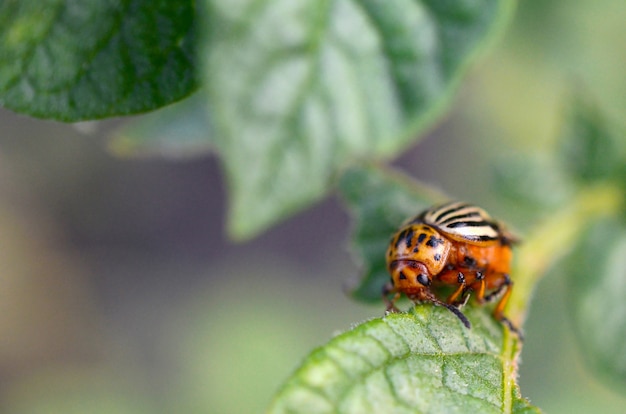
<point x="454" y="244"/>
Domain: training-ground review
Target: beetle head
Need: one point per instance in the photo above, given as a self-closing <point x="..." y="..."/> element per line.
<point x="409" y="276"/>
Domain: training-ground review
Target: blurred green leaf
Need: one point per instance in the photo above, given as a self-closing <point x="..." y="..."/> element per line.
<point x="597" y="282"/>
<point x="379" y="201"/>
<point x="299" y="88"/>
<point x="424" y="361"/>
<point x="590" y="147"/>
<point x="72" y="60"/>
<point x="180" y="130"/>
<point x="532" y="180"/>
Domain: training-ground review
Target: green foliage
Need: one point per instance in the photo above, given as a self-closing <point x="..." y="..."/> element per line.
<point x="531" y="181"/>
<point x="296" y="90"/>
<point x="589" y="150"/>
<point x="590" y="220"/>
<point x="425" y="361"/>
<point x="593" y="156"/>
<point x="299" y="88"/>
<point x="597" y="285"/>
<point x="293" y="92"/>
<point x="72" y="60"/>
<point x="592" y="148"/>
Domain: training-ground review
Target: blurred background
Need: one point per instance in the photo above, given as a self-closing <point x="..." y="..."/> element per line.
<point x="119" y="292"/>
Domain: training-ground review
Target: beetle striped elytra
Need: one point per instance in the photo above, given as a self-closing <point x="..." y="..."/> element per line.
<point x="455" y="244"/>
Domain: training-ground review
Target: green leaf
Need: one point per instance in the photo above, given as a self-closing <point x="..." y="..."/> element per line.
<point x="591" y="148"/>
<point x="532" y="180"/>
<point x="379" y="201"/>
<point x="180" y="130"/>
<point x="300" y="87"/>
<point x="534" y="185"/>
<point x="425" y="361"/>
<point x="72" y="60"/>
<point x="596" y="270"/>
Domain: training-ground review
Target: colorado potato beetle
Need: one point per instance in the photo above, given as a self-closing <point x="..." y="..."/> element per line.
<point x="456" y="245"/>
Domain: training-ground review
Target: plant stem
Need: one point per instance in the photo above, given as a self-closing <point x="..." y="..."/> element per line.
<point x="553" y="238"/>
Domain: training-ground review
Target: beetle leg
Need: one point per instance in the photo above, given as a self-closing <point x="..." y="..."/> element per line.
<point x="466" y="296"/>
<point x="454" y="310"/>
<point x="461" y="290"/>
<point x="480" y="295"/>
<point x="498" y="312"/>
<point x="428" y="296"/>
<point x="387" y="289"/>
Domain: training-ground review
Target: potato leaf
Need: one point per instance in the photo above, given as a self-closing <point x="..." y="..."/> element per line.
<point x="72" y="60"/>
<point x="591" y="146"/>
<point x="297" y="88"/>
<point x="424" y="361"/>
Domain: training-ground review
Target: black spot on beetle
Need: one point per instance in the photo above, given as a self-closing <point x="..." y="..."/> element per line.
<point x="415" y="250"/>
<point x="434" y="241"/>
<point x="409" y="238"/>
<point x="460" y="278"/>
<point x="437" y="257"/>
<point x="480" y="276"/>
<point x="401" y="237"/>
<point x="421" y="238"/>
<point x="402" y="276"/>
<point x="405" y="236"/>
